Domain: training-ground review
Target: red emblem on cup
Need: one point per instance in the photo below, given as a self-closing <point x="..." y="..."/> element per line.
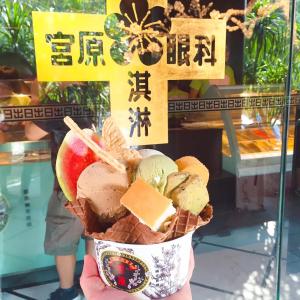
<point x="124" y="271"/>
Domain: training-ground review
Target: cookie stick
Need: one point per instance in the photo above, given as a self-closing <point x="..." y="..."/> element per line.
<point x="105" y="156"/>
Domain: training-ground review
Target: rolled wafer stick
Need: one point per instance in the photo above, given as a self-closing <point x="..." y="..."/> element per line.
<point x="105" y="156"/>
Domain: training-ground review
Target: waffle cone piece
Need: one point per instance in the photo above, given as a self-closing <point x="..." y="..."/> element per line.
<point x="117" y="146"/>
<point x="81" y="209"/>
<point x="127" y="230"/>
<point x="130" y="230"/>
<point x="76" y="208"/>
<point x="187" y="222"/>
<point x="112" y="136"/>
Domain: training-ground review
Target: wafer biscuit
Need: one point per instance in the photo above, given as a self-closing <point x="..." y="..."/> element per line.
<point x="187" y="222"/>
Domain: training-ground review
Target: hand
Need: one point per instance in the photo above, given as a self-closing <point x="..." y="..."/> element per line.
<point x="95" y="289"/>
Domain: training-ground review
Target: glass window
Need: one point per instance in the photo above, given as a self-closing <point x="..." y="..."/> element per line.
<point x="245" y="128"/>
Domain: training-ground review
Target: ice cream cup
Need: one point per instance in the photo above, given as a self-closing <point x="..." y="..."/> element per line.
<point x="148" y="271"/>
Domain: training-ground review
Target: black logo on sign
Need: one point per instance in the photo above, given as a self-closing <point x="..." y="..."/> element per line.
<point x="125" y="272"/>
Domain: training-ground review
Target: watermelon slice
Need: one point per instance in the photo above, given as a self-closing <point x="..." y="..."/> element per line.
<point x="72" y="158"/>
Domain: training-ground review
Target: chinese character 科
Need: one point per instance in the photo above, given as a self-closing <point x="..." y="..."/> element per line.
<point x="141" y="86"/>
<point x="205" y="50"/>
<point x="138" y="120"/>
<point x="182" y="55"/>
<point x="91" y="47"/>
<point x="60" y="45"/>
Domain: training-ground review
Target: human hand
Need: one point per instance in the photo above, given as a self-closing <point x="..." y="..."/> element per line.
<point x="95" y="289"/>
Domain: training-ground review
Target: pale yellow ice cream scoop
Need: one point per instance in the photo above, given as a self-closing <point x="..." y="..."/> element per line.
<point x="103" y="186"/>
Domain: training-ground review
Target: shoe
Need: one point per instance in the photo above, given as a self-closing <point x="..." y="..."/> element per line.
<point x="65" y="294"/>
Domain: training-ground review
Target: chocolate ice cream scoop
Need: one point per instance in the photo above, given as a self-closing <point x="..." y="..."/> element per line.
<point x="103" y="187"/>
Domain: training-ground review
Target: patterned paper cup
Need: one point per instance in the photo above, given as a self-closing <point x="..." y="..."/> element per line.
<point x="153" y="271"/>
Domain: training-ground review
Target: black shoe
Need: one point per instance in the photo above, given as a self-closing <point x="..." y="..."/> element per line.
<point x="65" y="294"/>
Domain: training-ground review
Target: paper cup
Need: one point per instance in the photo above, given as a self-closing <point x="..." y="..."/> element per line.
<point x="154" y="271"/>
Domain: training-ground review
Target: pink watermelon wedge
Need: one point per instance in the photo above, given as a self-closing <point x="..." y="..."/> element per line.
<point x="72" y="158"/>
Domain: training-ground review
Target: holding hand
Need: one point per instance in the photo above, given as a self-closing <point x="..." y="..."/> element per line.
<point x="95" y="289"/>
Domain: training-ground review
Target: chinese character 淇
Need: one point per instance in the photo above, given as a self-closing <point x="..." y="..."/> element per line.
<point x="141" y="86"/>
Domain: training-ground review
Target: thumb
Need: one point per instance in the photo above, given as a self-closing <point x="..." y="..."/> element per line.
<point x="94" y="288"/>
<point x="90" y="280"/>
<point x="90" y="267"/>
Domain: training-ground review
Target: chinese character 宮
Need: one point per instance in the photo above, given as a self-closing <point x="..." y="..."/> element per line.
<point x="61" y="48"/>
<point x="141" y="86"/>
<point x="178" y="52"/>
<point x="206" y="49"/>
<point x="139" y="120"/>
<point x="91" y="47"/>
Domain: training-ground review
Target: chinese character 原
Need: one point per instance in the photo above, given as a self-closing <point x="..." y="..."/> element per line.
<point x="91" y="47"/>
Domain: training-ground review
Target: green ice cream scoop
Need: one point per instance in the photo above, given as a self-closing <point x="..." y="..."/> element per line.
<point x="155" y="169"/>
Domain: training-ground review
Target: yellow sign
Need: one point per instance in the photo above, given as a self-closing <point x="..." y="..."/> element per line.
<point x="137" y="49"/>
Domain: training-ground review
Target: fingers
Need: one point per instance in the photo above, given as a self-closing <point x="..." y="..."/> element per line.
<point x="111" y="294"/>
<point x="90" y="281"/>
<point x="184" y="294"/>
<point x="94" y="288"/>
<point x="90" y="267"/>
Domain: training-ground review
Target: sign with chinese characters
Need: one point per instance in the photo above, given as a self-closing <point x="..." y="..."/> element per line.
<point x="137" y="49"/>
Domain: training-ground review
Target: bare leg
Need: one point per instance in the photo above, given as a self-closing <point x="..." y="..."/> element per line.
<point x="90" y="247"/>
<point x="66" y="268"/>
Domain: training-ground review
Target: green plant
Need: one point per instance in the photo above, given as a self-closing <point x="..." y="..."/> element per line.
<point x="15" y="28"/>
<point x="266" y="52"/>
<point x="93" y="95"/>
<point x="90" y="6"/>
<point x="266" y="55"/>
<point x="296" y="58"/>
<point x="16" y="35"/>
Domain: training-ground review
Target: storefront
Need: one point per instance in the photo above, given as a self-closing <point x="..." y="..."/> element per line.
<point x="218" y="81"/>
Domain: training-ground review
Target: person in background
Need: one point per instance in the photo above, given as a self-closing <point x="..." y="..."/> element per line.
<point x="11" y="78"/>
<point x="63" y="230"/>
<point x="174" y="92"/>
<point x="10" y="89"/>
<point x="2" y="133"/>
<point x="198" y="88"/>
<point x="5" y="92"/>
